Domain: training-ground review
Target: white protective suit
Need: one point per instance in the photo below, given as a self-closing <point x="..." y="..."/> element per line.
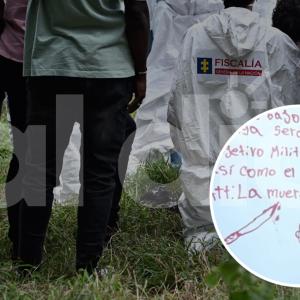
<point x="208" y="104"/>
<point x="265" y="9"/>
<point x="151" y="7"/>
<point x="170" y="21"/>
<point x="69" y="178"/>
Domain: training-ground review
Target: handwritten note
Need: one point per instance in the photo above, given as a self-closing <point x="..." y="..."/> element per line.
<point x="255" y="195"/>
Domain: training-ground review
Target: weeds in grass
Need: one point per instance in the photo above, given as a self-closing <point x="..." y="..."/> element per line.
<point x="156" y="183"/>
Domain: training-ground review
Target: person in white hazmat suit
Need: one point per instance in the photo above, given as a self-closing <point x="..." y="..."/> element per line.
<point x="151" y="7"/>
<point x="170" y="21"/>
<point x="265" y="9"/>
<point x="232" y="67"/>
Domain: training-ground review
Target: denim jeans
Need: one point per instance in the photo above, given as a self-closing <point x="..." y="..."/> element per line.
<point x="103" y="122"/>
<point x="121" y="173"/>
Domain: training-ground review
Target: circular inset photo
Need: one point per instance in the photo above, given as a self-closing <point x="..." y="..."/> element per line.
<point x="255" y="195"/>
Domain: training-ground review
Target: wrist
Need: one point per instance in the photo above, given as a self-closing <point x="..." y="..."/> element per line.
<point x="141" y="73"/>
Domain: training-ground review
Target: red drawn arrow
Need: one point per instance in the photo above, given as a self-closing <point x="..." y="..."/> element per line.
<point x="255" y="224"/>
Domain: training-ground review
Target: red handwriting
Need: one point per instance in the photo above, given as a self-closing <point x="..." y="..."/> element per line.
<point x="284" y="116"/>
<point x="242" y="150"/>
<point x="225" y="170"/>
<point x="283" y="194"/>
<point x="226" y="193"/>
<point x="276" y="151"/>
<point x="255" y="224"/>
<point x="292" y="132"/>
<point x="283" y="151"/>
<point x="297" y="234"/>
<point x="289" y="172"/>
<point x="247" y="130"/>
<point x="241" y="193"/>
<point x="221" y="192"/>
<point x="254" y="172"/>
<point x="260" y="172"/>
<point x="248" y="193"/>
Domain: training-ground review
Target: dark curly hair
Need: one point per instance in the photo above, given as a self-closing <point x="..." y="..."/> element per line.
<point x="286" y="17"/>
<point x="237" y="3"/>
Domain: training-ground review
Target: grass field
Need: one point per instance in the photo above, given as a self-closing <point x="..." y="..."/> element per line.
<point x="146" y="259"/>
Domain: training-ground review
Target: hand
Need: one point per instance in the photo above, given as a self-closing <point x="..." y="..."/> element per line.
<point x="139" y="93"/>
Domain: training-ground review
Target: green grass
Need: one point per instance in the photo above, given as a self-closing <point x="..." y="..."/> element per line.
<point x="156" y="173"/>
<point x="5" y="152"/>
<point x="146" y="259"/>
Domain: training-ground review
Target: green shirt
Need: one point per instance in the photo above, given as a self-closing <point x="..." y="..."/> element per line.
<point x="77" y="38"/>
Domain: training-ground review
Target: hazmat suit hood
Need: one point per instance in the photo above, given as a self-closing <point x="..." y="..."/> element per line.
<point x="195" y="7"/>
<point x="236" y="31"/>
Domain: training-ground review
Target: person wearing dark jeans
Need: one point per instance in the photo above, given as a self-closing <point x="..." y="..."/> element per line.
<point x="113" y="225"/>
<point x="13" y="83"/>
<point x="98" y="52"/>
<point x="136" y="13"/>
<point x="12" y="28"/>
<point x="103" y="128"/>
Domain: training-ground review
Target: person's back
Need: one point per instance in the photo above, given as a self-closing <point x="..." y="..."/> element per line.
<point x="232" y="68"/>
<point x="77" y="38"/>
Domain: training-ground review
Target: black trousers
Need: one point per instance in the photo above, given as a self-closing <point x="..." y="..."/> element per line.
<point x="13" y="83"/>
<point x="130" y="129"/>
<point x="103" y="119"/>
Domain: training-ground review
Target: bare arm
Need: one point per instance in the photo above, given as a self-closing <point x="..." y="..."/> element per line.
<point x="137" y="31"/>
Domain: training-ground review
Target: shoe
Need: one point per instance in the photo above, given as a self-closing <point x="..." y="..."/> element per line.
<point x="24" y="270"/>
<point x="101" y="272"/>
<point x="202" y="241"/>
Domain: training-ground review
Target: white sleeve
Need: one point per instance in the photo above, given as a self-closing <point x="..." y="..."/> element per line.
<point x="151" y="7"/>
<point x="179" y="84"/>
<point x="178" y="91"/>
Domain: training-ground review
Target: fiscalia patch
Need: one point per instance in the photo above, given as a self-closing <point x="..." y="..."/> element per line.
<point x="228" y="66"/>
